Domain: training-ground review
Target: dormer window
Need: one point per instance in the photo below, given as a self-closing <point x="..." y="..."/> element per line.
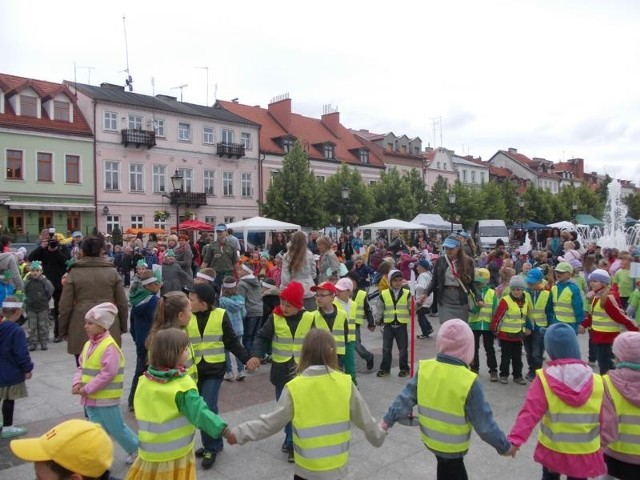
<point x="328" y="151"/>
<point x="364" y="156"/>
<point x="28" y="106"/>
<point x="61" y="111"/>
<point x="287" y="144"/>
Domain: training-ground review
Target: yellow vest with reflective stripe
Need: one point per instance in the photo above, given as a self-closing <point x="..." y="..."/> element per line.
<point x="513" y="320"/>
<point x="321" y="420"/>
<point x="208" y="346"/>
<point x="338" y="328"/>
<point x="164" y="434"/>
<point x="628" y="441"/>
<point x="351" y="324"/>
<point x="284" y="346"/>
<point x="537" y="312"/>
<point x="485" y="313"/>
<point x="573" y="430"/>
<point x="357" y="307"/>
<point x="600" y="321"/>
<point x="91" y="366"/>
<point x="398" y="311"/>
<point x="562" y="306"/>
<point x="442" y="393"/>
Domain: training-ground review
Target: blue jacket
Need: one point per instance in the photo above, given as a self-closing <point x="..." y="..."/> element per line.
<point x="15" y="361"/>
<point x="476" y="409"/>
<point x="141" y="319"/>
<point x="576" y="302"/>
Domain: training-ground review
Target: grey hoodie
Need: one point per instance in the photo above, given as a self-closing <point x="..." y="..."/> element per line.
<point x="249" y="287"/>
<point x="8" y="262"/>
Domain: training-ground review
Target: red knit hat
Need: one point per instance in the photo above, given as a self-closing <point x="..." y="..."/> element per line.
<point x="294" y="294"/>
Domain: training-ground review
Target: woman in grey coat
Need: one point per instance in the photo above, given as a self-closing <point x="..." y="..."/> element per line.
<point x="299" y="265"/>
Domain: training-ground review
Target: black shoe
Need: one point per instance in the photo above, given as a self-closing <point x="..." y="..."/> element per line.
<point x="290" y="458"/>
<point x="370" y="363"/>
<point x="208" y="459"/>
<point x="57" y="340"/>
<point x="403" y="373"/>
<point x="285" y="448"/>
<point x="382" y="373"/>
<point x="44" y="347"/>
<point x="199" y="453"/>
<point x="33" y="348"/>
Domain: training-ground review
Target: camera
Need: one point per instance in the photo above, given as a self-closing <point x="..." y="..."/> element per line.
<point x="53" y="243"/>
<point x="52" y="232"/>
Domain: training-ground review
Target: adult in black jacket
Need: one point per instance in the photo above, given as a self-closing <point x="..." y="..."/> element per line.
<point x="451" y="298"/>
<point x="54" y="266"/>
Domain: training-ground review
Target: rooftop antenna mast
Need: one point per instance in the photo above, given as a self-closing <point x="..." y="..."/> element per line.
<point x="184" y="85"/>
<point x="88" y="71"/>
<point x="129" y="79"/>
<point x="206" y="69"/>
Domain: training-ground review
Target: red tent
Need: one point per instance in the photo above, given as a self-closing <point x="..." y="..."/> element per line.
<point x="195" y="225"/>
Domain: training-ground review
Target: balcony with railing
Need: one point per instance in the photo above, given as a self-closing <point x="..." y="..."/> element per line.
<point x="138" y="137"/>
<point x="188" y="199"/>
<point x="230" y="149"/>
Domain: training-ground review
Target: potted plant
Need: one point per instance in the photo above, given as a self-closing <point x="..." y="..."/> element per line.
<point x="188" y="214"/>
<point x="161" y="215"/>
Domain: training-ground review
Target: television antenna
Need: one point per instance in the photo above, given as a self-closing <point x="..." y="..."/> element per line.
<point x="129" y="80"/>
<point x="184" y="85"/>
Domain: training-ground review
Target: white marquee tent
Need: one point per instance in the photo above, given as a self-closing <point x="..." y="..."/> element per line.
<point x="393" y="224"/>
<point x="261" y="224"/>
<point x="434" y="221"/>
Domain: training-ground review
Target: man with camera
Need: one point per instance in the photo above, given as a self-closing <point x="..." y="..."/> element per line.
<point x="54" y="266"/>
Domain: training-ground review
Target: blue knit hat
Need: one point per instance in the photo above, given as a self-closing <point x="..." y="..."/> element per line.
<point x="560" y="341"/>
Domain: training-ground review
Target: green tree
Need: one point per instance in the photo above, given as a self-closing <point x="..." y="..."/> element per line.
<point x="295" y="195"/>
<point x="116" y="235"/>
<point x="391" y="197"/>
<point x="492" y="201"/>
<point x="418" y="192"/>
<point x="356" y="209"/>
<point x="633" y="204"/>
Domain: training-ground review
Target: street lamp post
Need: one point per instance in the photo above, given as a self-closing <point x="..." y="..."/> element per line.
<point x="452" y="204"/>
<point x="346" y="191"/>
<point x="177" y="181"/>
<point x="521" y="205"/>
<point x="574" y="211"/>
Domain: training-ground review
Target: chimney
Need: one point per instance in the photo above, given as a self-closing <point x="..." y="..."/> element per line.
<point x="280" y="110"/>
<point x="331" y="119"/>
<point x="578" y="167"/>
<point x="513" y="150"/>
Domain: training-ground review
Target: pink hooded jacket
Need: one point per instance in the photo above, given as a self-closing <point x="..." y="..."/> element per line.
<point x="572" y="381"/>
<point x="627" y="382"/>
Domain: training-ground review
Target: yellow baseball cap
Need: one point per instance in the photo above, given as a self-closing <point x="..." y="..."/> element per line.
<point x="79" y="446"/>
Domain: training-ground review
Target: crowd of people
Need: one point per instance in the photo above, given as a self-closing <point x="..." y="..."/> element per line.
<point x="300" y="305"/>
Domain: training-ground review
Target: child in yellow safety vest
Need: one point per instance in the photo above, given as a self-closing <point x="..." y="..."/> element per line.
<point x="100" y="375"/>
<point x="168" y="410"/>
<point x="321" y="402"/>
<point x="450" y="402"/>
<point x="621" y="410"/>
<point x="566" y="396"/>
<point x="480" y="323"/>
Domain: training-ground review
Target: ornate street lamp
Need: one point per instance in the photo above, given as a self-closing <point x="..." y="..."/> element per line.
<point x="452" y="204"/>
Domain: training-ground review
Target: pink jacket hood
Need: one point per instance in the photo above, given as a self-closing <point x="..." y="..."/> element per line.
<point x="571" y="380"/>
<point x="627" y="382"/>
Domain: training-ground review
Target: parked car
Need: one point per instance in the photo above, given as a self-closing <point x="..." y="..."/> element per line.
<point x="487" y="232"/>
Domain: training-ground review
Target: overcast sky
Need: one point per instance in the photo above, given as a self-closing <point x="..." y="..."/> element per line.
<point x="554" y="79"/>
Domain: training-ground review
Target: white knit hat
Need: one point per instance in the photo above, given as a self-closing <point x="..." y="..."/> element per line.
<point x="103" y="314"/>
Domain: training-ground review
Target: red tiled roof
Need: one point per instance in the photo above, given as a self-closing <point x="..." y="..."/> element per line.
<point x="500" y="172"/>
<point x="12" y="85"/>
<point x="563" y="167"/>
<point x="310" y="131"/>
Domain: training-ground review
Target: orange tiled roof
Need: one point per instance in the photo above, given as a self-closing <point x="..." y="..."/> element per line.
<point x="12" y="85"/>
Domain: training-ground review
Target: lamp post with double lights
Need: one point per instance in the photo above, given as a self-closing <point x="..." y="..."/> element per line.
<point x="177" y="182"/>
<point x="345" y="192"/>
<point x="452" y="204"/>
<point x="574" y="211"/>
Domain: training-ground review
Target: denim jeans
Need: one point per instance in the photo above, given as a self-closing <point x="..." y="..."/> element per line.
<point x="423" y="321"/>
<point x="227" y="359"/>
<point x="361" y="349"/>
<point x="141" y="365"/>
<point x="209" y="388"/>
<point x="251" y="326"/>
<point x="534" y="348"/>
<point x="288" y="429"/>
<point x="112" y="421"/>
<point x="604" y="356"/>
<point x="399" y="333"/>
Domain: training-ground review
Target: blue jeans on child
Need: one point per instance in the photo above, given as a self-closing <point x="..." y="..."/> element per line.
<point x="227" y="359"/>
<point x="251" y="326"/>
<point x="209" y="388"/>
<point x="110" y="417"/>
<point x="288" y="429"/>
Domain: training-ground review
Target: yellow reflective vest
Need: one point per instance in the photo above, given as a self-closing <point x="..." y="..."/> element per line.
<point x="321" y="420"/>
<point x="600" y="321"/>
<point x="442" y="393"/>
<point x="482" y="319"/>
<point x="537" y="311"/>
<point x="628" y="441"/>
<point x="164" y="434"/>
<point x="285" y="346"/>
<point x="357" y="307"/>
<point x="208" y="346"/>
<point x="562" y="305"/>
<point x="399" y="310"/>
<point x="573" y="430"/>
<point x="338" y="328"/>
<point x="514" y="319"/>
<point x="351" y="324"/>
<point x="91" y="366"/>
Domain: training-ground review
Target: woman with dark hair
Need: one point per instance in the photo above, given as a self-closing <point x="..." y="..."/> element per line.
<point x="299" y="265"/>
<point x="452" y="279"/>
<point x="278" y="245"/>
<point x="91" y="280"/>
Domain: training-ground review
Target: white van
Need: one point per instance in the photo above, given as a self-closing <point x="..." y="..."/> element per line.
<point x="487" y="232"/>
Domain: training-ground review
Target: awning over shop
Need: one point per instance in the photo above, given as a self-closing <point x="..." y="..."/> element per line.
<point x="64" y="207"/>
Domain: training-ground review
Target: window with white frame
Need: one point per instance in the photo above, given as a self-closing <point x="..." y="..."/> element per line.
<point x="364" y="156"/>
<point x="464" y="175"/>
<point x="438" y="165"/>
<point x="328" y="151"/>
<point x="229" y="219"/>
<point x="137" y="221"/>
<point x="113" y="221"/>
<point x="473" y="176"/>
<point x="28" y="106"/>
<point x="210" y="220"/>
<point x="14" y="165"/>
<point x="110" y="121"/>
<point x="111" y="176"/>
<point x="227" y="184"/>
<point x="184" y="132"/>
<point x="209" y="182"/>
<point x="320" y="178"/>
<point x="44" y="170"/>
<point x="246" y="186"/>
<point x="227" y="136"/>
<point x="136" y="177"/>
<point x="207" y="135"/>
<point x="61" y="111"/>
<point x="72" y="168"/>
<point x="287" y="145"/>
<point x="158" y="178"/>
<point x="481" y="177"/>
<point x="160" y="224"/>
<point x="135" y="122"/>
<point x="245" y="139"/>
<point x="187" y="176"/>
<point x="159" y="127"/>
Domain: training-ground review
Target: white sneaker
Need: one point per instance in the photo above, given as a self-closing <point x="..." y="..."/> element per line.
<point x="228" y="376"/>
<point x="242" y="374"/>
<point x="131" y="458"/>
<point x="11" y="431"/>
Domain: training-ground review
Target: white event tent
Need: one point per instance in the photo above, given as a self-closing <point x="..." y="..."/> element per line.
<point x="434" y="221"/>
<point x="260" y="224"/>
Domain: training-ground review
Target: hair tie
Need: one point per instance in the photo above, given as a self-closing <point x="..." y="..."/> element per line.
<point x="230" y="285"/>
<point x="205" y="276"/>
